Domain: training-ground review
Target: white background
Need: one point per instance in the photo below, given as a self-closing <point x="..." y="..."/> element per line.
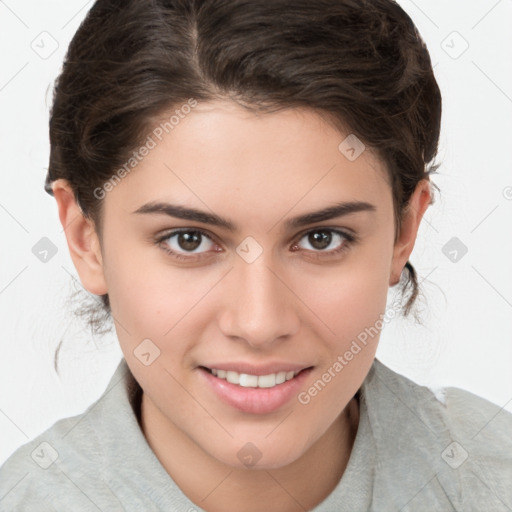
<point x="465" y="340"/>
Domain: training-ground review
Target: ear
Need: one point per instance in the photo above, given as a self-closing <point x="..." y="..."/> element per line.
<point x="416" y="207"/>
<point x="83" y="242"/>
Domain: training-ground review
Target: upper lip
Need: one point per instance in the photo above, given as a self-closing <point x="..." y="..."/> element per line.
<point x="258" y="370"/>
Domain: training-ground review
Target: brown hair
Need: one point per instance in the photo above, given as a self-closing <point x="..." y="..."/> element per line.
<point x="361" y="63"/>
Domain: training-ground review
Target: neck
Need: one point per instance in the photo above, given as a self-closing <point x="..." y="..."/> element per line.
<point x="216" y="487"/>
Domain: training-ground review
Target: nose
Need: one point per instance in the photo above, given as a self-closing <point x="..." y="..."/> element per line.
<point x="259" y="308"/>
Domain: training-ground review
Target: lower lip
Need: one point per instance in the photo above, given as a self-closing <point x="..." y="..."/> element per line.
<point x="256" y="400"/>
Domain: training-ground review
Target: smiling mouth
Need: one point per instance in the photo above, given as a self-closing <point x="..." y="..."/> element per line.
<point x="254" y="381"/>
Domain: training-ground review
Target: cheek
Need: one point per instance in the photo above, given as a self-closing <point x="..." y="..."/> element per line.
<point x="143" y="299"/>
<point x="151" y="299"/>
<point x="350" y="297"/>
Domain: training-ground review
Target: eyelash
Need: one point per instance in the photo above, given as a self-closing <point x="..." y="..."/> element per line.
<point x="349" y="241"/>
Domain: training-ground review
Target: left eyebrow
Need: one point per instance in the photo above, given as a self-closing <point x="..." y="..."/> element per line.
<point x="193" y="214"/>
<point x="331" y="212"/>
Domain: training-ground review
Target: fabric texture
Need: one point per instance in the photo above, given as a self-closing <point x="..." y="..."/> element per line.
<point x="412" y="452"/>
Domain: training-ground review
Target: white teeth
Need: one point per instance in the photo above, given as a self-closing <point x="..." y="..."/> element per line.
<point x="248" y="381"/>
<point x="233" y="377"/>
<point x="267" y="381"/>
<point x="280" y="377"/>
<point x="254" y="381"/>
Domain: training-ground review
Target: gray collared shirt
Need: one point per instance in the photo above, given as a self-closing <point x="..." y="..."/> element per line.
<point x="412" y="452"/>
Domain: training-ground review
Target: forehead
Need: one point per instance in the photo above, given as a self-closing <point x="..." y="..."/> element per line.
<point x="220" y="155"/>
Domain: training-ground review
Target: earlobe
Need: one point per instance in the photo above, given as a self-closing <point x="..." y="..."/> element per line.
<point x="82" y="239"/>
<point x="416" y="207"/>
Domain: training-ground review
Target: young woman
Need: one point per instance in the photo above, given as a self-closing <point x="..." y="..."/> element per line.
<point x="241" y="182"/>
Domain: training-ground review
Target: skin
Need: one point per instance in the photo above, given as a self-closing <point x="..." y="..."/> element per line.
<point x="257" y="170"/>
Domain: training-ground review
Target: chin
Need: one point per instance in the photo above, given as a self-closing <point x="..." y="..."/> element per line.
<point x="258" y="455"/>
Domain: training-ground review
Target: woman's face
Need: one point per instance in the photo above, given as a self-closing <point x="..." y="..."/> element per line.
<point x="263" y="294"/>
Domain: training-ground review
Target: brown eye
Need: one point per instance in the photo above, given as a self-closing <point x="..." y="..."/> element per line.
<point x="189" y="240"/>
<point x="193" y="242"/>
<point x="322" y="239"/>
